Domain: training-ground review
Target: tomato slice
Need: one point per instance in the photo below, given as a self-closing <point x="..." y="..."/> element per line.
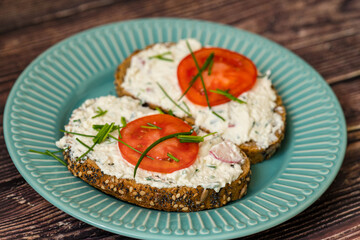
<point x="231" y="72"/>
<point x="141" y="138"/>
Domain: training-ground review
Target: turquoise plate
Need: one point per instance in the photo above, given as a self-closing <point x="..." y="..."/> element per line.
<point x="83" y="66"/>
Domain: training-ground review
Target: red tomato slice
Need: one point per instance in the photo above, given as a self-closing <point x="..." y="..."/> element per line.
<point x="230" y="71"/>
<point x="141" y="138"/>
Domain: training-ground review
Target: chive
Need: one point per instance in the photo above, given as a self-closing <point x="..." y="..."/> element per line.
<point x="159" y="110"/>
<point x="211" y="166"/>
<point x="119" y="133"/>
<point x="194" y="139"/>
<point x="216" y="114"/>
<point x="167" y="95"/>
<point x="173" y="157"/>
<point x="206" y="64"/>
<point x="149" y="127"/>
<point x="187" y="107"/>
<point x="210" y="67"/>
<point x="56" y="157"/>
<point x="153" y="125"/>
<point x="100" y="112"/>
<point x="156" y="143"/>
<point x="129" y="146"/>
<point x="162" y="57"/>
<point x="74" y="133"/>
<point x="123" y="122"/>
<point x="34" y="151"/>
<point x="227" y="94"/>
<point x="91" y="148"/>
<point x="171" y="112"/>
<point x="100" y="137"/>
<point x="51" y="154"/>
<point x="97" y="127"/>
<point x="201" y="77"/>
<point x="84" y="144"/>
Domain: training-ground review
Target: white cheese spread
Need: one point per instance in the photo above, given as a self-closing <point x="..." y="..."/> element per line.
<point x="206" y="171"/>
<point x="255" y="120"/>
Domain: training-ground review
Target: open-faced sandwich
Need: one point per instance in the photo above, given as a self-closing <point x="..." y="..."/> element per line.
<point x="216" y="89"/>
<point x="152" y="160"/>
<point x="181" y="135"/>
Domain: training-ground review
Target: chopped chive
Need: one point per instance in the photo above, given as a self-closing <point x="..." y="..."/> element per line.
<point x="162" y="57"/>
<point x="216" y="114"/>
<point x="84" y="144"/>
<point x="173" y="157"/>
<point x="100" y="112"/>
<point x="206" y="64"/>
<point x="153" y="125"/>
<point x="74" y="133"/>
<point x="149" y="127"/>
<point x="97" y="127"/>
<point x="156" y="143"/>
<point x="159" y="110"/>
<point x="76" y="120"/>
<point x="123" y="122"/>
<point x="201" y="77"/>
<point x="210" y="67"/>
<point x="111" y="136"/>
<point x="56" y="157"/>
<point x="187" y="107"/>
<point x="227" y="94"/>
<point x="90" y="149"/>
<point x="171" y="112"/>
<point x="193" y="139"/>
<point x="51" y="154"/>
<point x="119" y="133"/>
<point x="167" y="95"/>
<point x="211" y="166"/>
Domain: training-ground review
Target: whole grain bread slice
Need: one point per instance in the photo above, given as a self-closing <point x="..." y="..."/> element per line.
<point x="180" y="199"/>
<point x="255" y="153"/>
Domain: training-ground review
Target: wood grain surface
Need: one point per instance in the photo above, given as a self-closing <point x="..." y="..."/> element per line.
<point x="324" y="33"/>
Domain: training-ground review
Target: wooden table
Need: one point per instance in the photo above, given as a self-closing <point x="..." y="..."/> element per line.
<point x="324" y="33"/>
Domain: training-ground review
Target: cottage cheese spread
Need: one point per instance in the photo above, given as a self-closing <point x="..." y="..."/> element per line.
<point x="206" y="171"/>
<point x="255" y="120"/>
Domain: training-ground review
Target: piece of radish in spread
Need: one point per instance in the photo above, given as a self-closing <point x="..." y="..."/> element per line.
<point x="226" y="152"/>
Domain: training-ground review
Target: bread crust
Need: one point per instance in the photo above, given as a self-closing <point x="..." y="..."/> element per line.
<point x="179" y="199"/>
<point x="255" y="153"/>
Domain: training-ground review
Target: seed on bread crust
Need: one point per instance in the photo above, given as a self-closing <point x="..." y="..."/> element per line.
<point x="254" y="152"/>
<point x="166" y="199"/>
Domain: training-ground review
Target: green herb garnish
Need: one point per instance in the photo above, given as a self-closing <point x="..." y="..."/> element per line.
<point x="187" y="107"/>
<point x="210" y="67"/>
<point x="82" y="143"/>
<point x="172" y="100"/>
<point x="74" y="133"/>
<point x="99" y="126"/>
<point x="100" y="112"/>
<point x="227" y="94"/>
<point x="156" y="143"/>
<point x="206" y="64"/>
<point x="151" y="126"/>
<point x="170" y="112"/>
<point x="159" y="110"/>
<point x="100" y="137"/>
<point x="199" y="70"/>
<point x="111" y="136"/>
<point x="51" y="154"/>
<point x="173" y="157"/>
<point x="196" y="139"/>
<point x="216" y="114"/>
<point x="123" y="122"/>
<point x="162" y="57"/>
<point x="211" y="166"/>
